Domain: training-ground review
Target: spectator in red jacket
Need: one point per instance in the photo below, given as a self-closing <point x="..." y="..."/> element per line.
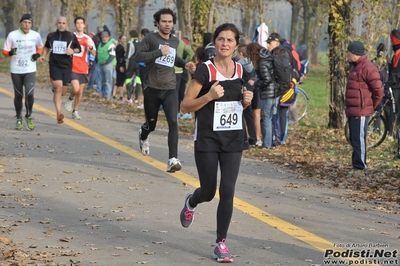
<point x="364" y="92"/>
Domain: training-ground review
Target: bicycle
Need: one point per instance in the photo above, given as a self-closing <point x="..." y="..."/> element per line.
<point x="378" y="124"/>
<point x="299" y="109"/>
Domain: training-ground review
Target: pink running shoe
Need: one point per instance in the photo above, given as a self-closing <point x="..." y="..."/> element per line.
<point x="221" y="252"/>
<point x="187" y="214"/>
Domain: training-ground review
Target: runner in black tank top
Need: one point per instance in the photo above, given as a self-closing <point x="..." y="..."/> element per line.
<point x="217" y="97"/>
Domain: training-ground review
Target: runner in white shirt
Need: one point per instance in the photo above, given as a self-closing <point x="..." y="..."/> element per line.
<point x="24" y="46"/>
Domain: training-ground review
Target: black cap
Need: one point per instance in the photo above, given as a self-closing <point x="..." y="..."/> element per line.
<point x="356" y="48"/>
<point x="274" y="37"/>
<point x="26" y="17"/>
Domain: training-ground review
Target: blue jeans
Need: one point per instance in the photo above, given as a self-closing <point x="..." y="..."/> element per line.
<point x="106" y="72"/>
<point x="95" y="77"/>
<point x="268" y="109"/>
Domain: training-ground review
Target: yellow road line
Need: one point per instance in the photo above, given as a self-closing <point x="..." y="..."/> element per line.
<point x="286" y="227"/>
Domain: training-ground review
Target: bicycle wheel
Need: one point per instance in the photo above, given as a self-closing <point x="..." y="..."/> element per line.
<point x="299" y="109"/>
<point x="377" y="131"/>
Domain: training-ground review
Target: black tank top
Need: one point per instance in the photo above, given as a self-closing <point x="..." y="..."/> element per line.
<point x="224" y="135"/>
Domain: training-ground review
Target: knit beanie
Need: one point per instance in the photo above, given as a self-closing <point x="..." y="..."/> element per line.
<point x="356" y="48"/>
<point x="26" y="17"/>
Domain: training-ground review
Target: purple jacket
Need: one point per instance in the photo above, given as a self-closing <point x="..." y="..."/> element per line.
<point x="364" y="90"/>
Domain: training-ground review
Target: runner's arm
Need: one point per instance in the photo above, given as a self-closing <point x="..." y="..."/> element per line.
<point x="7" y="48"/>
<point x="146" y="56"/>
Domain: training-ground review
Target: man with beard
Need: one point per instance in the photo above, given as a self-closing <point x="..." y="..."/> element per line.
<point x="158" y="52"/>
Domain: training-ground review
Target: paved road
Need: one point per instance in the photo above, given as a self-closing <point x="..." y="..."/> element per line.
<point x="81" y="194"/>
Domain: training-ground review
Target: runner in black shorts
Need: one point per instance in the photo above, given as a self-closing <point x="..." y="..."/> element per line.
<point x="61" y="44"/>
<point x="80" y="68"/>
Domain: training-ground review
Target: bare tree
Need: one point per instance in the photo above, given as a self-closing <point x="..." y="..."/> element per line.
<point x="339" y="29"/>
<point x="11" y="13"/>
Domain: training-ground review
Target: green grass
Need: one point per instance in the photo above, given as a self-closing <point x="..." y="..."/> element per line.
<point x="315" y="86"/>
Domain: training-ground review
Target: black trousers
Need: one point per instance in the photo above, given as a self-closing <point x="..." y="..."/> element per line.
<point x="358" y="126"/>
<point x="153" y="98"/>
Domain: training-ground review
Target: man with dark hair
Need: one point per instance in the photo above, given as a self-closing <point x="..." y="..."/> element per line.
<point x="394" y="82"/>
<point x="24" y="46"/>
<point x="364" y="92"/>
<point x="80" y="68"/>
<point x="158" y="51"/>
<point x="61" y="45"/>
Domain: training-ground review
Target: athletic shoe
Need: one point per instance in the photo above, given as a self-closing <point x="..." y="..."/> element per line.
<point x="18" y="125"/>
<point x="68" y="105"/>
<point x="75" y="115"/>
<point x="29" y="122"/>
<point x="221" y="252"/>
<point x="130" y="102"/>
<point x="259" y="143"/>
<point x="174" y="165"/>
<point x="144" y="145"/>
<point x="187" y="213"/>
<point x="140" y="106"/>
<point x="60" y="118"/>
<point x="136" y="101"/>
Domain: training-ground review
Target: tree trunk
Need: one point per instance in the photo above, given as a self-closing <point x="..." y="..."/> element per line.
<point x="306" y="23"/>
<point x="338" y="62"/>
<point x="294" y="37"/>
<point x="211" y="17"/>
<point x="8" y="7"/>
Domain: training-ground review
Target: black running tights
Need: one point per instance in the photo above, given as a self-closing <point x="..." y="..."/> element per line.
<point x="207" y="168"/>
<point x="20" y="81"/>
<point x="153" y="98"/>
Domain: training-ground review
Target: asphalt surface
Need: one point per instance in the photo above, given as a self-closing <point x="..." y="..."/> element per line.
<point x="80" y="193"/>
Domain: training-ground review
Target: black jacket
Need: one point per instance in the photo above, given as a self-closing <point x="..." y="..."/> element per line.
<point x="265" y="73"/>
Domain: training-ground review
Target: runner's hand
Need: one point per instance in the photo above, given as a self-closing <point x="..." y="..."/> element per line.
<point x="69" y="51"/>
<point x="12" y="52"/>
<point x="164" y="49"/>
<point x="35" y="57"/>
<point x="191" y="67"/>
<point x="247" y="96"/>
<point x="216" y="91"/>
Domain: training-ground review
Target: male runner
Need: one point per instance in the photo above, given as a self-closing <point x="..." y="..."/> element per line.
<point x="80" y="68"/>
<point x="158" y="51"/>
<point x="61" y="44"/>
<point x="24" y="47"/>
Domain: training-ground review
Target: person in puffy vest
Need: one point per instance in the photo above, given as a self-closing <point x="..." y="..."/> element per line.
<point x="280" y="120"/>
<point x="364" y="92"/>
<point x="262" y="60"/>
